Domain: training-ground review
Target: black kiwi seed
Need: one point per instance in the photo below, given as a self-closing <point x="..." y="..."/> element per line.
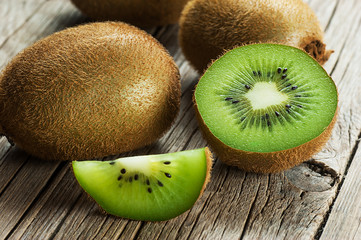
<point x="297" y="95"/>
<point x="294" y="88"/>
<point x="149" y="190"/>
<point x="284" y="70"/>
<point x="123" y="171"/>
<point x="267" y="116"/>
<point x="288" y="110"/>
<point x="136" y="177"/>
<point x="167" y="175"/>
<point x="148" y="182"/>
<point x="279" y="70"/>
<point x="288" y="85"/>
<point x="112" y="163"/>
<point x="160" y="183"/>
<point x="236" y="101"/>
<point x="288" y="106"/>
<point x="247" y="86"/>
<point x="284" y="76"/>
<point x="259" y="73"/>
<point x="167" y="163"/>
<point x="242" y="119"/>
<point x="254" y="73"/>
<point x="277" y="113"/>
<point x="120" y="178"/>
<point x="300" y="106"/>
<point x="228" y="98"/>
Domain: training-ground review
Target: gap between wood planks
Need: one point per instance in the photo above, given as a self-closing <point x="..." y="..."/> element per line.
<point x="354" y="150"/>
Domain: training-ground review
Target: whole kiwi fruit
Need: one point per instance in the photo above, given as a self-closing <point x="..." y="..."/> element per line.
<point x="208" y="27"/>
<point x="142" y="13"/>
<point x="89" y="91"/>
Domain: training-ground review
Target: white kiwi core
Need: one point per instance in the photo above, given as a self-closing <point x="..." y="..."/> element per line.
<point x="139" y="163"/>
<point x="265" y="94"/>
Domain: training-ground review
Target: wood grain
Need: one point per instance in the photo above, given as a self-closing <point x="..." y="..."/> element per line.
<point x="345" y="218"/>
<point x="318" y="199"/>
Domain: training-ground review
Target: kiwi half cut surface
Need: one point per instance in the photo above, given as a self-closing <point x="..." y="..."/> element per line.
<point x="148" y="188"/>
<point x="266" y="107"/>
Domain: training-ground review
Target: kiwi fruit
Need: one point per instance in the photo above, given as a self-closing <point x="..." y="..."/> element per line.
<point x="142" y="13"/>
<point x="208" y="27"/>
<point x="266" y="107"/>
<point x="147" y="188"/>
<point x="89" y="91"/>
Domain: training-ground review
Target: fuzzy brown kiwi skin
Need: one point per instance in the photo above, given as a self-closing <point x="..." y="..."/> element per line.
<point x="137" y="12"/>
<point x="88" y="92"/>
<point x="209" y="27"/>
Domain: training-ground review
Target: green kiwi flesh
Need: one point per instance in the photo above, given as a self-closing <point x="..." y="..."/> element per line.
<point x="269" y="100"/>
<point x="89" y="91"/>
<point x="142" y="13"/>
<point x="147" y="188"/>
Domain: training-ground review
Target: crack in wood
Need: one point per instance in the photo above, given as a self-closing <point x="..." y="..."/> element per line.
<point x="327" y="215"/>
<point x="332" y="15"/>
<point x="41" y="192"/>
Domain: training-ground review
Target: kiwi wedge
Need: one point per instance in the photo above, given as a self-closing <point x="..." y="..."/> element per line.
<point x="266" y="107"/>
<point x="89" y="91"/>
<point x="208" y="27"/>
<point x="142" y="13"/>
<point x="147" y="188"/>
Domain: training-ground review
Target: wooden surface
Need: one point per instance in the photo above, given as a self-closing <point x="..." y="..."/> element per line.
<point x="320" y="199"/>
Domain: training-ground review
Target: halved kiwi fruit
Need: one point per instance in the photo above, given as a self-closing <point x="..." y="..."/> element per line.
<point x="148" y="188"/>
<point x="143" y="13"/>
<point x="266" y="107"/>
<point x="89" y="91"/>
<point x="208" y="27"/>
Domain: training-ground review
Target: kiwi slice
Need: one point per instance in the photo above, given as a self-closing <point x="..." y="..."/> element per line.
<point x="148" y="188"/>
<point x="142" y="13"/>
<point x="266" y="107"/>
<point x="89" y="91"/>
<point x="207" y="27"/>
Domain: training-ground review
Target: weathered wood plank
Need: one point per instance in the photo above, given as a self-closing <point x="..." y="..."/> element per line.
<point x="45" y="20"/>
<point x="22" y="191"/>
<point x="10" y="165"/>
<point x="54" y="203"/>
<point x="345" y="219"/>
<point x="16" y="14"/>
